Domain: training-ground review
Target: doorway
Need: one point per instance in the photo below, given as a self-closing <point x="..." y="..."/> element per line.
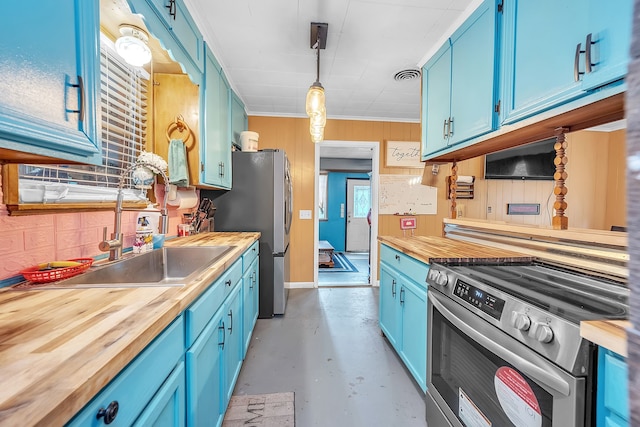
<point x="341" y="156"/>
<point x="358" y="205"/>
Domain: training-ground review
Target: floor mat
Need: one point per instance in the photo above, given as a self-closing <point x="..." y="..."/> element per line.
<point x="341" y="265"/>
<point x="263" y="410"/>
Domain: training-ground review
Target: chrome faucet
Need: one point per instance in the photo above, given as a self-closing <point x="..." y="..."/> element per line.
<point x="114" y="245"/>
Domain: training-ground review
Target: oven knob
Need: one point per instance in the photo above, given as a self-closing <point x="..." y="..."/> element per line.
<point x="520" y="321"/>
<point x="543" y="333"/>
<point x="441" y="279"/>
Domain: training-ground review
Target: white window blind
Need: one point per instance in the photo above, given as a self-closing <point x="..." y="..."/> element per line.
<point x="123" y="112"/>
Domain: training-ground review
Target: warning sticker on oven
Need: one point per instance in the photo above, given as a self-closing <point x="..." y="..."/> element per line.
<point x="517" y="398"/>
<point x="469" y="413"/>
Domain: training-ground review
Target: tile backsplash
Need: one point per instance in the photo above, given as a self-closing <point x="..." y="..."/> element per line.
<point x="32" y="239"/>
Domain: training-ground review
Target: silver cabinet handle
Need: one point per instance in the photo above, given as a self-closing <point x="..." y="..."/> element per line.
<point x="576" y="63"/>
<point x="450" y="127"/>
<point x="587" y="54"/>
<point x="445" y="132"/>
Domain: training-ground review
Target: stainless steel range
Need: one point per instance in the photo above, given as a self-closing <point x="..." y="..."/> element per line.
<point x="504" y="345"/>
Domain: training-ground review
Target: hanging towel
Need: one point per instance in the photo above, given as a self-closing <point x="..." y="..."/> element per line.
<point x="178" y="171"/>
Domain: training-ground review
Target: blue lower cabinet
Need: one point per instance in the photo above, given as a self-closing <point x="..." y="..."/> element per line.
<point x="403" y="309"/>
<point x="129" y="395"/>
<point x="250" y="296"/>
<point x="204" y="369"/>
<point x="612" y="408"/>
<point x="233" y="342"/>
<point x="167" y="409"/>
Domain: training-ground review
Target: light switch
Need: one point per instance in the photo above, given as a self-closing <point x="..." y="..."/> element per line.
<point x="305" y="214"/>
<point x="341" y="210"/>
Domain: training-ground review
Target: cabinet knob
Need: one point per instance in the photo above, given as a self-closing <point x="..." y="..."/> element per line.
<point x="109" y="414"/>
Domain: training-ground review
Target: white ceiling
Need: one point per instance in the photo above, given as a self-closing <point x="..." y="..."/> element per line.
<point x="264" y="48"/>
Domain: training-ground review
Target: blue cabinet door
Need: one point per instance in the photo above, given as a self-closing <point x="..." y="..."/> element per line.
<point x="238" y="118"/>
<point x="215" y="147"/>
<point x="472" y="75"/>
<point x="233" y="348"/>
<point x="167" y="408"/>
<point x="389" y="307"/>
<point x="413" y="302"/>
<point x="612" y="406"/>
<point x="609" y="25"/>
<point x="170" y="22"/>
<point x="250" y="304"/>
<point x="540" y="38"/>
<point x="436" y="78"/>
<point x="50" y="85"/>
<point x="205" y="405"/>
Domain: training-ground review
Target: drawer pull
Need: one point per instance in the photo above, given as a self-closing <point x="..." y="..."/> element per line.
<point x="397" y="257"/>
<point x="228" y="282"/>
<point x="110" y="413"/>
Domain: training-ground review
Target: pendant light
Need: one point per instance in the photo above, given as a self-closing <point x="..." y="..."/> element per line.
<point x="315" y="105"/>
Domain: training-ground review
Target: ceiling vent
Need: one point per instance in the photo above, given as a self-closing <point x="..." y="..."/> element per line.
<point x="408" y="74"/>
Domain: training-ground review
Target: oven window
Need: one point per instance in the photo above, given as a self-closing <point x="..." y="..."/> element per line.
<point x="467" y="376"/>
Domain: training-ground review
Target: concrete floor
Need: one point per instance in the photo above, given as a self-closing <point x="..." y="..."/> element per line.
<point x="328" y="349"/>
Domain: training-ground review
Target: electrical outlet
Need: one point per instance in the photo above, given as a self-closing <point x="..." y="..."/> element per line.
<point x="305" y="214"/>
<point x="460" y="211"/>
<point x="488" y="209"/>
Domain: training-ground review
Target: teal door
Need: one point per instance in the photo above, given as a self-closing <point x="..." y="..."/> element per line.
<point x="472" y="75"/>
<point x="50" y="87"/>
<point x="414" y="331"/>
<point x="539" y="55"/>
<point x="167" y="408"/>
<point x="437" y="108"/>
<point x="610" y="30"/>
<point x="233" y="348"/>
<point x="389" y="311"/>
<point x="204" y="375"/>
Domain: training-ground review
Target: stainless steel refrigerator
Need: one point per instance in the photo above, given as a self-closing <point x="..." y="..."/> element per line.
<point x="261" y="200"/>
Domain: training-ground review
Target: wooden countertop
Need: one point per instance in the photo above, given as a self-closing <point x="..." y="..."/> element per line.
<point x="439" y="249"/>
<point x="610" y="334"/>
<point x="60" y="347"/>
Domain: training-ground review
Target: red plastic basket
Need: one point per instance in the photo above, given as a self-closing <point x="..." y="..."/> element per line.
<point x="35" y="274"/>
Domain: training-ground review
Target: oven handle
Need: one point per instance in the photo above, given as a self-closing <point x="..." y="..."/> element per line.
<point x="530" y="369"/>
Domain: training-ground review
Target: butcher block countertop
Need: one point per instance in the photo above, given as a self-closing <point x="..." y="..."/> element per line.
<point x="60" y="347"/>
<point x="610" y="334"/>
<point x="439" y="249"/>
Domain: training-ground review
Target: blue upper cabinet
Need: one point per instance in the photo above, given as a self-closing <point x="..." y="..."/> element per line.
<point x="458" y="84"/>
<point x="50" y="79"/>
<point x="546" y="47"/>
<point x="239" y="121"/>
<point x="215" y="147"/>
<point x="170" y="22"/>
<point x="609" y="33"/>
<point x="436" y="108"/>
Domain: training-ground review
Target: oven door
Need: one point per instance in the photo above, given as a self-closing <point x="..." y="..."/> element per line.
<point x="478" y="376"/>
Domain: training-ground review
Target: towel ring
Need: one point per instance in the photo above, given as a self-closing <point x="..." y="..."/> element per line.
<point x="179" y="125"/>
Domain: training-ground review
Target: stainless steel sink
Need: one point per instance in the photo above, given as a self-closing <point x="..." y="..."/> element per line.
<point x="169" y="266"/>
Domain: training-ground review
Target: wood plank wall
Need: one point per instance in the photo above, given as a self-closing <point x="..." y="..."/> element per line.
<point x="292" y="135"/>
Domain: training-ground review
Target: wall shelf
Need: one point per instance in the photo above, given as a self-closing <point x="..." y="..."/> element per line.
<point x="463" y="190"/>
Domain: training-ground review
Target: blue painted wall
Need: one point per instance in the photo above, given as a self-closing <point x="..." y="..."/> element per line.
<point x="334" y="229"/>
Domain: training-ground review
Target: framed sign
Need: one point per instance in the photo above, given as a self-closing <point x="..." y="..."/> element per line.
<point x="402" y="154"/>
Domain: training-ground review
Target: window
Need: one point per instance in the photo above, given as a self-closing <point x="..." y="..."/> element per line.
<point x="361" y="201"/>
<point x="123" y="111"/>
<point x="322" y="196"/>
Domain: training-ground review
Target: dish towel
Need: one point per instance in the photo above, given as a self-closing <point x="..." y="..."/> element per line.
<point x="178" y="171"/>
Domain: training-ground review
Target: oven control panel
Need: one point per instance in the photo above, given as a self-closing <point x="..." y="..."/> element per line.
<point x="479" y="298"/>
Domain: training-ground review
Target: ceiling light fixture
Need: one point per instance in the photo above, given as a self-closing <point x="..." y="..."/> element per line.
<point x="133" y="46"/>
<point x="315" y="104"/>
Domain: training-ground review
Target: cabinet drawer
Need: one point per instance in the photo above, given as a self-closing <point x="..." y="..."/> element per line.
<point x="410" y="267"/>
<point x="136" y="385"/>
<point x="249" y="255"/>
<point x="616" y="385"/>
<point x="202" y="310"/>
